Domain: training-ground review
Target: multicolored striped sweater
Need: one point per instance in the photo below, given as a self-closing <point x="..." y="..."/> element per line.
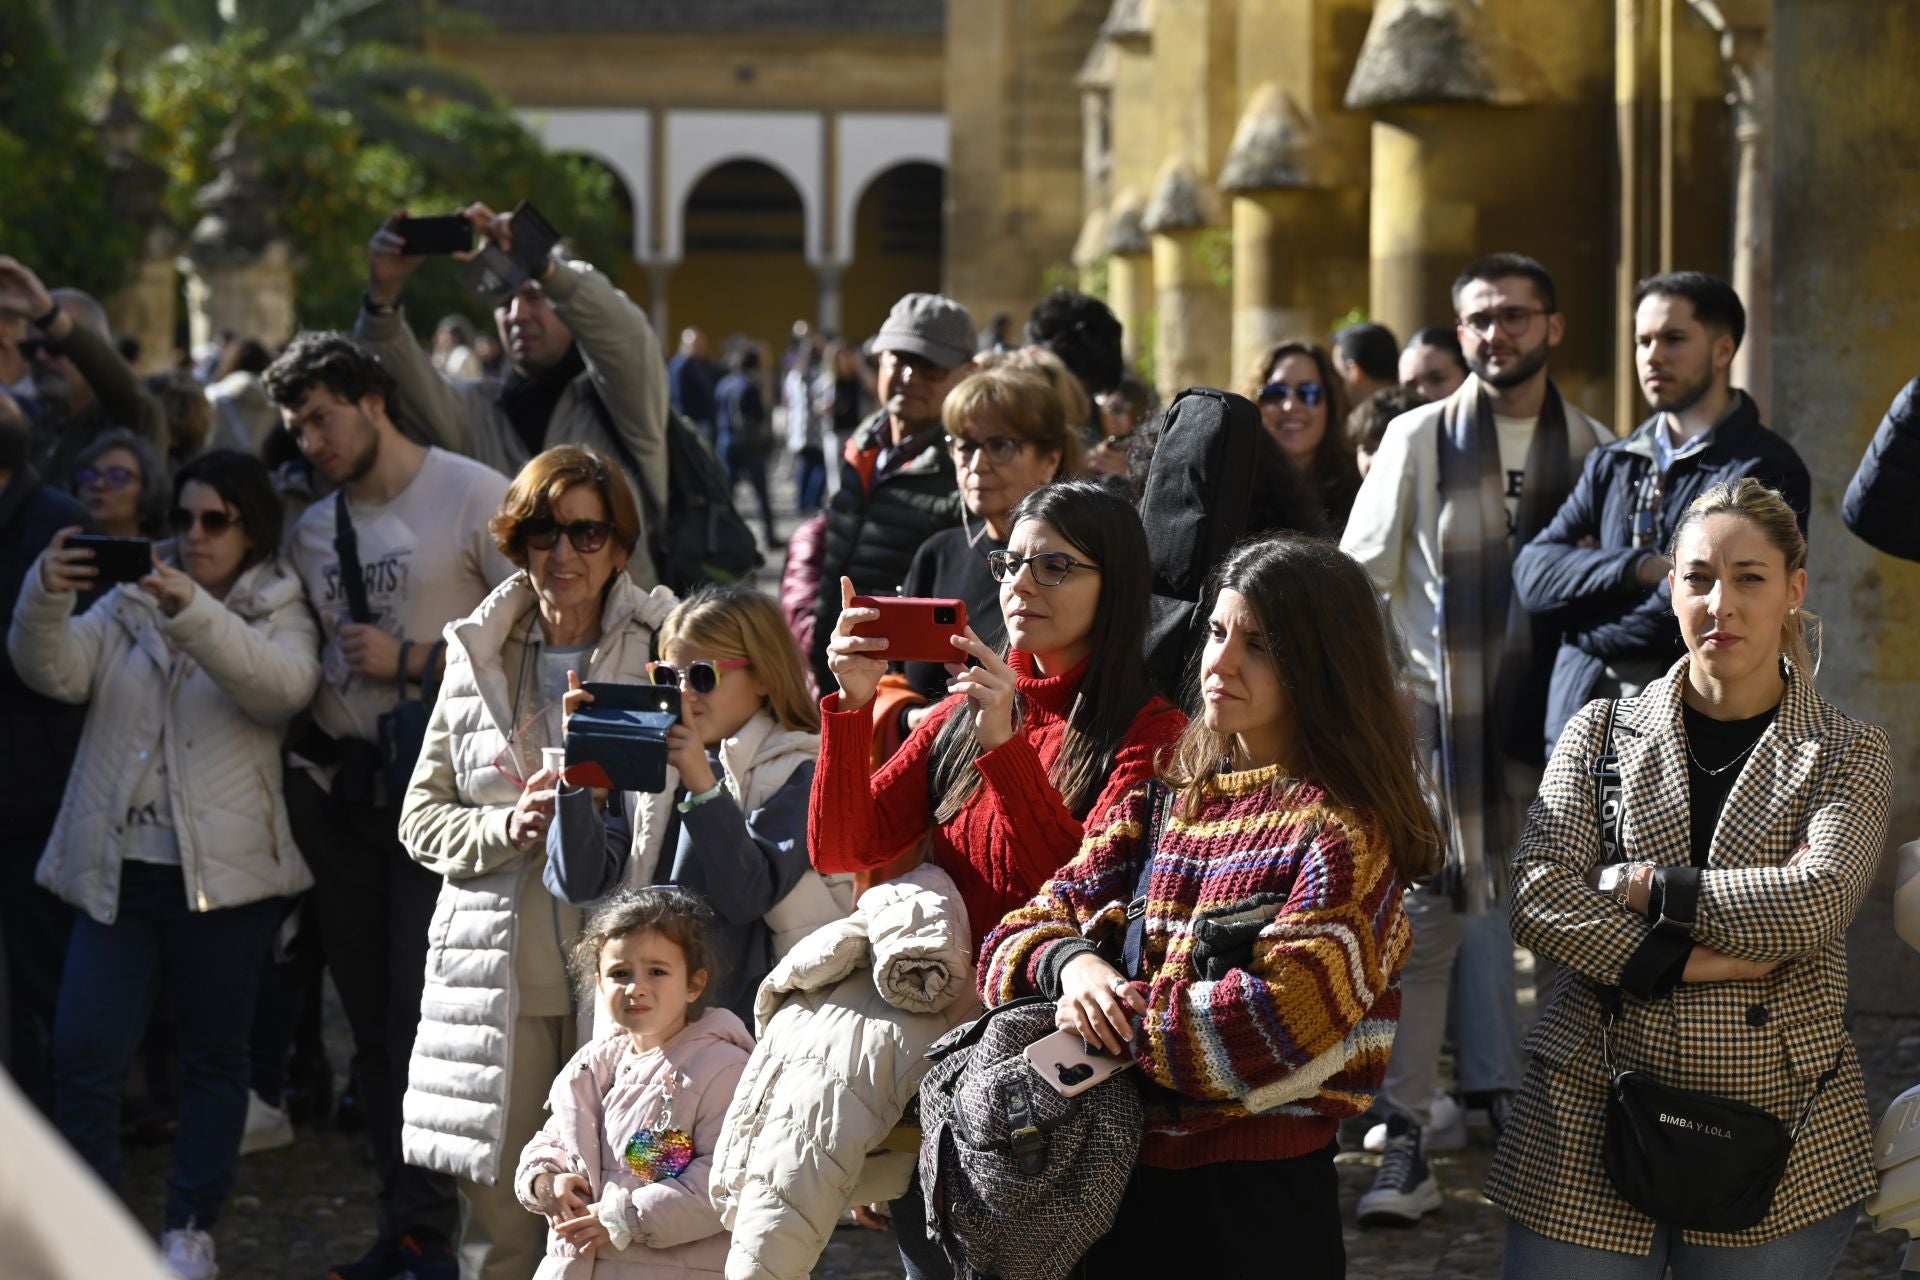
<point x="1274" y="943"/>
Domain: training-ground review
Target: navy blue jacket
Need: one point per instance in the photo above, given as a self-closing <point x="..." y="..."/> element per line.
<point x="1883" y="502"/>
<point x="38" y="736"/>
<point x="1593" y="594"/>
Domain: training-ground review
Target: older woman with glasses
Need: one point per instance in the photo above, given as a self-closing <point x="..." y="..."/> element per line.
<point x="1009" y="433"/>
<point x="497" y="1017"/>
<point x="123" y="485"/>
<point x="1303" y="405"/>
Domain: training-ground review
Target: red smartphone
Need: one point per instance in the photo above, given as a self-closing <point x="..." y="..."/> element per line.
<point x="915" y="629"/>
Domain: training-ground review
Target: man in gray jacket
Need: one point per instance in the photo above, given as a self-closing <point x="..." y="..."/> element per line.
<point x="584" y="368"/>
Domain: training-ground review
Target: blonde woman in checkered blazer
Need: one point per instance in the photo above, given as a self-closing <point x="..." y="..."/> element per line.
<point x="1763" y="807"/>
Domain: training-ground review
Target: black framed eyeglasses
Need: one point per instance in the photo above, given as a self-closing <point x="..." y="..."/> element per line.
<point x="702" y="676"/>
<point x="998" y="448"/>
<point x="1050" y="568"/>
<point x="115" y="477"/>
<point x="1513" y="321"/>
<point x="1309" y="394"/>
<point x="212" y="523"/>
<point x="587" y="536"/>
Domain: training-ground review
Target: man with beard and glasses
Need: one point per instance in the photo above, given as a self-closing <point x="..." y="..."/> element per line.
<point x="417" y="527"/>
<point x="1598" y="572"/>
<point x="584" y="367"/>
<point x="1457" y="487"/>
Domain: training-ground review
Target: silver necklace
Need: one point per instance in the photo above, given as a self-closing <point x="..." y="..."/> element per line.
<point x="1714" y="773"/>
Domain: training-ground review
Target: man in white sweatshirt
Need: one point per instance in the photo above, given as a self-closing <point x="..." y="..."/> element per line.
<point x="1455" y="489"/>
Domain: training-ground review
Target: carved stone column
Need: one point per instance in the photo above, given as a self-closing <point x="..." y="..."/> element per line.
<point x="1194" y="337"/>
<point x="239" y="267"/>
<point x="146" y="306"/>
<point x="1130" y="291"/>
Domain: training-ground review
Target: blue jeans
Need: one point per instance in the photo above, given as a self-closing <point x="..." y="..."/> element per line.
<point x="209" y="964"/>
<point x="1482" y="1009"/>
<point x="745" y="462"/>
<point x="1810" y="1253"/>
<point x="810" y="477"/>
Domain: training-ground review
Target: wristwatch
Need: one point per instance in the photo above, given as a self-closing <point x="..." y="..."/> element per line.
<point x="1615" y="879"/>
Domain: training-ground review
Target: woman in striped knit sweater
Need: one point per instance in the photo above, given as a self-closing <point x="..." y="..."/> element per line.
<point x="1269" y="984"/>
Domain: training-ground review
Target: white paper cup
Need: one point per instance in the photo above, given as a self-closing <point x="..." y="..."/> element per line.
<point x="553" y="758"/>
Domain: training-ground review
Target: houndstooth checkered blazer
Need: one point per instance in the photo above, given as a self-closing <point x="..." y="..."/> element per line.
<point x="1817" y="782"/>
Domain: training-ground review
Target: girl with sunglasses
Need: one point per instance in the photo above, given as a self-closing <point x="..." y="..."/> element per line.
<point x="1303" y="403"/>
<point x="1032" y="744"/>
<point x="744" y="753"/>
<point x="172" y="842"/>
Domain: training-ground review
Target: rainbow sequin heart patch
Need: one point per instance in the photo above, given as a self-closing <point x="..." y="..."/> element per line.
<point x="654" y="1154"/>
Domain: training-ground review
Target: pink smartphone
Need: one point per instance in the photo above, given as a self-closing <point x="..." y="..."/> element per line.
<point x="1062" y="1060"/>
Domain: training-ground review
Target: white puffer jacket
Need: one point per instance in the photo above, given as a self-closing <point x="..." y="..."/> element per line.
<point x="844" y="1023"/>
<point x="454" y="821"/>
<point x="251" y="663"/>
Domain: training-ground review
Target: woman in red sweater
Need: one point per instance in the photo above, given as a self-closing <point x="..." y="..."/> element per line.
<point x="1005" y="773"/>
<point x="1268" y="991"/>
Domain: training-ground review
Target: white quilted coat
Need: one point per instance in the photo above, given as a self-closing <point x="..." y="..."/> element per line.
<point x="251" y="664"/>
<point x="844" y="1023"/>
<point x="454" y="821"/>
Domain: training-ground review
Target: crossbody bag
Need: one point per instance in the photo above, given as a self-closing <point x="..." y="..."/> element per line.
<point x="1695" y="1161"/>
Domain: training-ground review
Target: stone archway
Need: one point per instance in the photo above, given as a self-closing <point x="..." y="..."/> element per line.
<point x="898" y="237"/>
<point x="743" y="266"/>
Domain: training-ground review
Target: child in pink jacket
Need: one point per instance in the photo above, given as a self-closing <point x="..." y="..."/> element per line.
<point x="620" y="1170"/>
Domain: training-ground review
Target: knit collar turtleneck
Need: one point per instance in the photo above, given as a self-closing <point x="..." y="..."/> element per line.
<point x="1055" y="693"/>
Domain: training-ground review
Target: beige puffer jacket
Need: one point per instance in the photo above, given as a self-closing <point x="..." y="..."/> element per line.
<point x="843" y="1023"/>
<point x="250" y="664"/>
<point x="454" y="822"/>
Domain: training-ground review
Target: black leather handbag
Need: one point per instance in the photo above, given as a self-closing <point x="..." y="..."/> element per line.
<point x="1695" y="1161"/>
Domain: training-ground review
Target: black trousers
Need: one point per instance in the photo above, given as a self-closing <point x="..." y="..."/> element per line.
<point x="1252" y="1219"/>
<point x="375" y="906"/>
<point x="35" y="925"/>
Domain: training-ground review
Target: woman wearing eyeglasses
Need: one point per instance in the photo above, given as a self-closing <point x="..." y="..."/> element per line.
<point x="744" y="754"/>
<point x="1009" y="433"/>
<point x="1302" y="403"/>
<point x="497" y="1014"/>
<point x="172" y="841"/>
<point x="122" y="484"/>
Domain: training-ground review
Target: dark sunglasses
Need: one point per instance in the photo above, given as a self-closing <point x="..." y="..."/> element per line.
<point x="701" y="677"/>
<point x="33" y="348"/>
<point x="115" y="477"/>
<point x="587" y="536"/>
<point x="213" y="523"/>
<point x="1050" y="568"/>
<point x="1309" y="394"/>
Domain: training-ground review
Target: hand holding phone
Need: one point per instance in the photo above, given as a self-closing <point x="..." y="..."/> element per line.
<point x="113" y="560"/>
<point x="856" y="661"/>
<point x="1070" y="1065"/>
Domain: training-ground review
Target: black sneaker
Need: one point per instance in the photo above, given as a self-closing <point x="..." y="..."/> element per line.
<point x="425" y="1254"/>
<point x="382" y="1262"/>
<point x="1405" y="1190"/>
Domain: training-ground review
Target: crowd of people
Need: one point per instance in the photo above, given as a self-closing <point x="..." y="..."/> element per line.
<point x="1459" y="668"/>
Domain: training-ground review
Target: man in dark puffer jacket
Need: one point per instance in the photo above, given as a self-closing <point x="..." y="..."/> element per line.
<point x="1600" y="568"/>
<point x="1883" y="502"/>
<point x="897" y="485"/>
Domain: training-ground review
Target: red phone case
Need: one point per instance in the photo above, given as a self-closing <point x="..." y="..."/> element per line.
<point x="909" y="626"/>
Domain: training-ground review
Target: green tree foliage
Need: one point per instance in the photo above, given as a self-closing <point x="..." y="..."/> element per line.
<point x="54" y="214"/>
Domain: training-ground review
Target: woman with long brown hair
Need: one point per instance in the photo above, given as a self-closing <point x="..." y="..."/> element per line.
<point x="1288" y="820"/>
<point x="1303" y="404"/>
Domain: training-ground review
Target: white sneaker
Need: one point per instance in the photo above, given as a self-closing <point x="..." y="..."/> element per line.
<point x="268" y="1128"/>
<point x="1446" y="1128"/>
<point x="187" y="1254"/>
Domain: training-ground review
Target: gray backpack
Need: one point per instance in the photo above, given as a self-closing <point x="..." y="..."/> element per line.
<point x="1020" y="1181"/>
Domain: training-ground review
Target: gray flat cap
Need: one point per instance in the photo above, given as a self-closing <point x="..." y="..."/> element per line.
<point x="930" y="325"/>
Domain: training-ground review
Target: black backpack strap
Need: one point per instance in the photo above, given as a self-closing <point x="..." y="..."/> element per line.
<point x="346" y="544"/>
<point x="1132" y="954"/>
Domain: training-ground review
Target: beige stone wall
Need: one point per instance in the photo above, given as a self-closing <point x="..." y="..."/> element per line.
<point x="1014" y="178"/>
<point x="255" y="298"/>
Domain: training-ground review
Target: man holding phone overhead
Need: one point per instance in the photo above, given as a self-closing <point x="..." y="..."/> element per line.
<point x="584" y="365"/>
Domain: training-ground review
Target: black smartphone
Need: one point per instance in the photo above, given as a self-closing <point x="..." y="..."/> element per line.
<point x="451" y="233"/>
<point x="119" y="559"/>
